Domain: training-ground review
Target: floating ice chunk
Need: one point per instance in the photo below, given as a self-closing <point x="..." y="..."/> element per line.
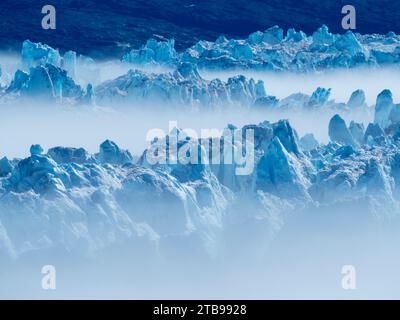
<point x="36" y="149"/>
<point x="376" y="180"/>
<point x="47" y="82"/>
<point x="162" y="52"/>
<point x="292" y="34"/>
<point x="323" y="37"/>
<point x="349" y="43"/>
<point x="260" y="89"/>
<point x="255" y="37"/>
<point x="357" y="131"/>
<point x="221" y="40"/>
<point x="40" y="84"/>
<point x="383" y="108"/>
<point x="357" y="99"/>
<point x="38" y="54"/>
<point x="5" y="167"/>
<point x="374" y="134"/>
<point x="19" y="82"/>
<point x="273" y="35"/>
<point x="38" y="173"/>
<point x="242" y="52"/>
<point x="263" y="135"/>
<point x="112" y="154"/>
<point x="34" y="54"/>
<point x="279" y="172"/>
<point x="68" y="155"/>
<point x="287" y="136"/>
<point x="320" y="97"/>
<point x="338" y="131"/>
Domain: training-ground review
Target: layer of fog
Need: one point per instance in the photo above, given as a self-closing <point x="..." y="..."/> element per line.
<point x="82" y="126"/>
<point x="87" y="127"/>
<point x="304" y="260"/>
<point x="282" y="84"/>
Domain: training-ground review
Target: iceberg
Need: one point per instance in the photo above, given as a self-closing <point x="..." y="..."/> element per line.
<point x="338" y="131"/>
<point x="153" y="52"/>
<point x="383" y="108"/>
<point x="36" y="54"/>
<point x="357" y="131"/>
<point x="111" y="153"/>
<point x="45" y="82"/>
<point x="5" y="167"/>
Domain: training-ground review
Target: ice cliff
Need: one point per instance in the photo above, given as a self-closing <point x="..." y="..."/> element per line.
<point x="272" y="49"/>
<point x="74" y="201"/>
<point x="73" y="79"/>
<point x="68" y="200"/>
<point x="182" y="88"/>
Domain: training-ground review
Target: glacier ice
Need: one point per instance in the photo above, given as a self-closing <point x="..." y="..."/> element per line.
<point x="45" y="82"/>
<point x="36" y="149"/>
<point x="34" y="54"/>
<point x="384" y="106"/>
<point x="338" y="131"/>
<point x="38" y="54"/>
<point x="357" y="100"/>
<point x="75" y="80"/>
<point x="357" y="131"/>
<point x="111" y="153"/>
<point x="5" y="167"/>
<point x="153" y="52"/>
<point x="184" y="87"/>
<point x="319" y="97"/>
<point x="69" y="198"/>
<point x="374" y="133"/>
<point x="268" y="50"/>
<point x="273" y="50"/>
<point x="69" y="155"/>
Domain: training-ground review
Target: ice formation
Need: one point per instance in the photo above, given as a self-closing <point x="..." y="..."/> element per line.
<point x="272" y="50"/>
<point x="153" y="52"/>
<point x="46" y="74"/>
<point x="183" y="87"/>
<point x="71" y="200"/>
<point x="67" y="199"/>
<point x="46" y="82"/>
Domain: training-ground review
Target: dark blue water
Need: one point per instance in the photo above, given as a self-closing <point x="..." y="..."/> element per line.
<point x="96" y="27"/>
